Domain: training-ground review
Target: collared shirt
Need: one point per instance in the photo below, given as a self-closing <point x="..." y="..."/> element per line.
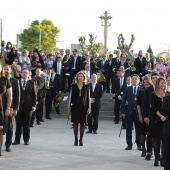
<point x="93" y="86"/>
<point x="140" y="58"/>
<point x="59" y="68"/>
<point x="52" y="76"/>
<point x="75" y="59"/>
<point x="121" y="81"/>
<point x="23" y="83"/>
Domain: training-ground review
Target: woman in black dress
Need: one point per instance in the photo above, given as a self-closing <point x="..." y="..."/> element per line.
<point x="157" y="118"/>
<point x="79" y="105"/>
<point x="5" y="87"/>
<point x="145" y="84"/>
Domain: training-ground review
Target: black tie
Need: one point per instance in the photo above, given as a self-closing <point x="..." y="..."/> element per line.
<point x="24" y="84"/>
<point x="134" y="91"/>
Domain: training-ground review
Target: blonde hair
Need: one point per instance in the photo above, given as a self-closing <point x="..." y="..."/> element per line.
<point x="157" y="84"/>
<point x="84" y="75"/>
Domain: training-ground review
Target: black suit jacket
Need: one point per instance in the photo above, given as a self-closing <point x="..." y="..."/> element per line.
<point x="139" y="65"/>
<point x="15" y="93"/>
<point x="62" y="68"/>
<point x="147" y="101"/>
<point x="166" y="113"/>
<point x="132" y="104"/>
<point x="125" y="65"/>
<point x="56" y="84"/>
<point x="97" y="94"/>
<point x="29" y="95"/>
<point x="78" y="64"/>
<point x="116" y="85"/>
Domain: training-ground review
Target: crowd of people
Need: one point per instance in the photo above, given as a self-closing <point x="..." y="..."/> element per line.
<point x="140" y="91"/>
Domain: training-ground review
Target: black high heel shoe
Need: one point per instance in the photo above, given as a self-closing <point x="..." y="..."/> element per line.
<point x="157" y="159"/>
<point x="76" y="143"/>
<point x="80" y="142"/>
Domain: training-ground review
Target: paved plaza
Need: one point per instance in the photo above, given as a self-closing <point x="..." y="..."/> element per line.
<point x="51" y="148"/>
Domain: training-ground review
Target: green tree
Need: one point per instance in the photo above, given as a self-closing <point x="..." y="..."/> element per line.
<point x="96" y="48"/>
<point x="150" y="51"/>
<point x="49" y="32"/>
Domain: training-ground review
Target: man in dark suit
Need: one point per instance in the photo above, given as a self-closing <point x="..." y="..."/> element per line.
<point x="75" y="64"/>
<point x="102" y="66"/>
<point x="14" y="106"/>
<point x="123" y="62"/>
<point x="166" y="131"/>
<point x="147" y="111"/>
<point x="66" y="63"/>
<point x="117" y="85"/>
<point x="60" y="70"/>
<point x="95" y="94"/>
<point x="87" y="60"/>
<point x="28" y="100"/>
<point x="130" y="111"/>
<point x="140" y="63"/>
<point x="109" y="73"/>
<point x="41" y="93"/>
<point x="147" y="68"/>
<point x="148" y="59"/>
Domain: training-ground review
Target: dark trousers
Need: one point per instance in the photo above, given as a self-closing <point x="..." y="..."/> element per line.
<point x="48" y="104"/>
<point x="149" y="139"/>
<point x="38" y="112"/>
<point x="93" y="119"/>
<point x="23" y="122"/>
<point x="9" y="132"/>
<point x="129" y="125"/>
<point x="166" y="139"/>
<point x="116" y="109"/>
<point x="67" y="83"/>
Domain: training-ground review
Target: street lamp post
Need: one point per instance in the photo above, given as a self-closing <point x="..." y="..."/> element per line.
<point x="39" y="47"/>
<point x="40" y="37"/>
<point x="105" y="22"/>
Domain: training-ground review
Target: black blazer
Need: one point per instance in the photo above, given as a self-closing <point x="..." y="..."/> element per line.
<point x="132" y="104"/>
<point x="56" y="84"/>
<point x="15" y="93"/>
<point x="166" y="113"/>
<point x="116" y="85"/>
<point x="29" y="95"/>
<point x="97" y="94"/>
<point x="125" y="65"/>
<point x="139" y="65"/>
<point x="147" y="101"/>
<point x="78" y="64"/>
<point x="62" y="68"/>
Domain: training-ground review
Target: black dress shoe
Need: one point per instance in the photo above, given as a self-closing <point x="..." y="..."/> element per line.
<point x="15" y="143"/>
<point x="89" y="131"/>
<point x="95" y="132"/>
<point x="143" y="153"/>
<point x="48" y="118"/>
<point x="38" y="123"/>
<point x="42" y="120"/>
<point x="76" y="143"/>
<point x="8" y="149"/>
<point x="0" y="153"/>
<point x="26" y="143"/>
<point x="31" y="126"/>
<point x="80" y="142"/>
<point x="58" y="112"/>
<point x="128" y="148"/>
<point x="116" y="122"/>
<point x="139" y="148"/>
<point x="148" y="157"/>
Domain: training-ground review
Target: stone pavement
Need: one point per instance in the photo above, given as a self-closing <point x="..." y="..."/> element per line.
<point x="51" y="148"/>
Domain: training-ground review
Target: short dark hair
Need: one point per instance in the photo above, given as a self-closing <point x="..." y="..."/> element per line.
<point x="135" y="75"/>
<point x="75" y="50"/>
